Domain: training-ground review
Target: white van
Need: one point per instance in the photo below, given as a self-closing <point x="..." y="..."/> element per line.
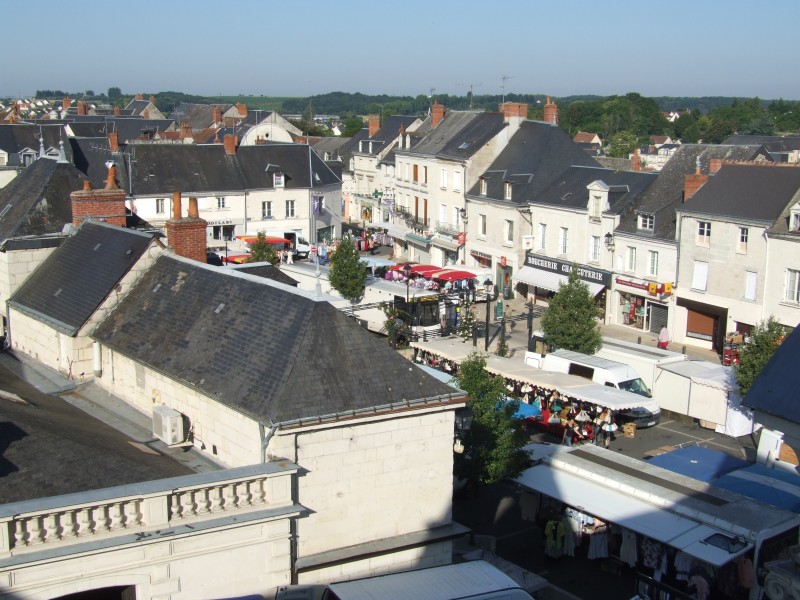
<point x="600" y="370"/>
<point x="645" y="359"/>
<point x="476" y="580"/>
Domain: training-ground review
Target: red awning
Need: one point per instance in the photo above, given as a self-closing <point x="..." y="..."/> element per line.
<point x="236" y="258"/>
<point x="453" y="275"/>
<point x="250" y="239"/>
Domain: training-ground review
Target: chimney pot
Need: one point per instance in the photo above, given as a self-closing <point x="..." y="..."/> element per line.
<point x="437" y="113"/>
<point x="715" y="164"/>
<point x="230" y="141"/>
<point x="111" y="183"/>
<point x="116" y="111"/>
<point x="551" y="112"/>
<point x="194" y="213"/>
<point x="113" y="141"/>
<point x="87" y="185"/>
<point x="374" y="124"/>
<point x="176" y="205"/>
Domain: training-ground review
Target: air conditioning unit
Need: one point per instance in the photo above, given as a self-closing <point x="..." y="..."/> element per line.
<point x="168" y="425"/>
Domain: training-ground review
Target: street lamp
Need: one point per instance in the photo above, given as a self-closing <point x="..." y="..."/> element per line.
<point x="407" y="272"/>
<point x="488" y="285"/>
<point x="609" y="238"/>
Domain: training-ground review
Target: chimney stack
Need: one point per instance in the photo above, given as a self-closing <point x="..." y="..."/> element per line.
<point x="65" y="104"/>
<point x="186" y="130"/>
<point x="514" y="109"/>
<point x="116" y="111"/>
<point x="374" y="124"/>
<point x="139" y="97"/>
<point x="187" y="236"/>
<point x="242" y="109"/>
<point x="437" y="113"/>
<point x="636" y="162"/>
<point x="153" y="100"/>
<point x="81" y="107"/>
<point x="693" y="182"/>
<point x="230" y="141"/>
<point x="107" y="205"/>
<point x="550" y="112"/>
<point x="714" y="165"/>
<point x="216" y="115"/>
<point x="113" y="141"/>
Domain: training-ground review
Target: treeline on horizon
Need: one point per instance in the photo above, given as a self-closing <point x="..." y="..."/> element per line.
<point x="623" y="122"/>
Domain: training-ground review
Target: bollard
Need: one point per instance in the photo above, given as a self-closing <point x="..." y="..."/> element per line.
<point x="683" y="350"/>
<point x="639" y="341"/>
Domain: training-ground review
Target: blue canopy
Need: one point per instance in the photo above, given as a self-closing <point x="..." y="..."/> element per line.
<point x="699" y="463"/>
<point x="770" y="486"/>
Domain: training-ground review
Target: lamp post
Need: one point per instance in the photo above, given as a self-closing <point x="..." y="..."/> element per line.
<point x="488" y="285"/>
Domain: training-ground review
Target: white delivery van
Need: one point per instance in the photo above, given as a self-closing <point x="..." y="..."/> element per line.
<point x="476" y="580"/>
<point x="647" y="360"/>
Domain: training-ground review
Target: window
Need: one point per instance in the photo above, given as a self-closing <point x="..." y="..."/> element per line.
<point x="507" y="190"/>
<point x="795" y="226"/>
<point x="594" y="248"/>
<point x="751" y="279"/>
<point x="443" y="179"/>
<point x="792" y="286"/>
<point x="456" y="181"/>
<point x="631" y="262"/>
<point x="220" y="202"/>
<point x="442" y="214"/>
<point x="416" y="173"/>
<point x="700" y="276"/>
<point x="405" y="171"/>
<point x="290" y="208"/>
<point x="457" y="217"/>
<point x="542" y="235"/>
<point x="703" y="233"/>
<point x="425" y="175"/>
<point x="277" y="180"/>
<point x="509" y="232"/>
<point x="159" y="206"/>
<point x="652" y="263"/>
<point x="647" y="222"/>
<point x="482" y="225"/>
<point x="563" y="240"/>
<point x="594" y="206"/>
<point x="743" y="235"/>
<point x="266" y="210"/>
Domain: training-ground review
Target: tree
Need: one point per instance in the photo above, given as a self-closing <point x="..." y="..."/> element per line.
<point x="114" y="93"/>
<point x="348" y="273"/>
<point x="261" y="251"/>
<point x="570" y="322"/>
<point x="466" y="321"/>
<point x="494" y="442"/>
<point x="352" y="125"/>
<point x="622" y="144"/>
<point x="761" y="345"/>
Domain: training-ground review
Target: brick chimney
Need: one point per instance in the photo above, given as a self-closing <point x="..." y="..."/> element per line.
<point x="186" y="130"/>
<point x="636" y="162"/>
<point x="139" y="97"/>
<point x="81" y="107"/>
<point x="242" y="109"/>
<point x="514" y="109"/>
<point x="106" y="205"/>
<point x="437" y="113"/>
<point x="230" y="141"/>
<point x="187" y="236"/>
<point x="714" y="165"/>
<point x="113" y="141"/>
<point x="66" y="103"/>
<point x="216" y="115"/>
<point x="550" y="112"/>
<point x="116" y="111"/>
<point x="153" y="100"/>
<point x="374" y="124"/>
<point x="693" y="182"/>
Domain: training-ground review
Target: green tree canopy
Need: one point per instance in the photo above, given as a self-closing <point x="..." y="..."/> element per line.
<point x="114" y="93"/>
<point x="348" y="273"/>
<point x="494" y="443"/>
<point x="352" y="125"/>
<point x="761" y="345"/>
<point x="570" y="322"/>
<point x="261" y="251"/>
<point x="622" y="144"/>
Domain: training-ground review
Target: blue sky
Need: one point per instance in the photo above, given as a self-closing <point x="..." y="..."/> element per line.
<point x="405" y="47"/>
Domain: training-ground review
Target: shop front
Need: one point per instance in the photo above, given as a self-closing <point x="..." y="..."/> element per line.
<point x="540" y="278"/>
<point x="447" y="249"/>
<point x="642" y="305"/>
<point x="223" y="230"/>
<point x="481" y="259"/>
<point x="504" y="278"/>
<point x="705" y="323"/>
<point x="418" y="248"/>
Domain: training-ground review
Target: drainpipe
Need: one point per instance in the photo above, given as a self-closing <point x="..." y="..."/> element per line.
<point x="97" y="357"/>
<point x="266" y="436"/>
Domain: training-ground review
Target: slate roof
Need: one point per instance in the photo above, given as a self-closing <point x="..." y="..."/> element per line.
<point x="775" y="389"/>
<point x="36" y="202"/>
<point x="191" y="168"/>
<point x="15" y="137"/>
<point x="265" y="270"/>
<point x="76" y="278"/>
<point x="199" y="116"/>
<point x="347" y="149"/>
<point x="749" y="192"/>
<point x="90" y="155"/>
<point x="665" y="196"/>
<point x="773" y="143"/>
<point x="266" y="350"/>
<point x="387" y="134"/>
<point x="459" y="135"/>
<point x="127" y="128"/>
<point x="569" y="189"/>
<point x="50" y="447"/>
<point x="537" y="154"/>
<point x="332" y="145"/>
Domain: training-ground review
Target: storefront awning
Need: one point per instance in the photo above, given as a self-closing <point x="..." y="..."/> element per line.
<point x="627" y="511"/>
<point x="418" y="239"/>
<point x="549" y="280"/>
<point x="440" y="242"/>
<point x="397" y="231"/>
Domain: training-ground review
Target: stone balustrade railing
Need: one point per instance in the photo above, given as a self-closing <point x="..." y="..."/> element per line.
<point x="140" y="507"/>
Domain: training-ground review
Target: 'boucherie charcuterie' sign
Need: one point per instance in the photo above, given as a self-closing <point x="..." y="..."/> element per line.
<point x="563" y="268"/>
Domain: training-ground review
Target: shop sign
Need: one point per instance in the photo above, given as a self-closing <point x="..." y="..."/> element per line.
<point x="216" y="223"/>
<point x="479" y="254"/>
<point x="652" y="287"/>
<point x="564" y="268"/>
<point x="462" y="238"/>
<point x="503" y="261"/>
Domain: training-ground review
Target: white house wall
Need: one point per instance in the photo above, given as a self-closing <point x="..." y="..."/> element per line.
<point x="784" y="254"/>
<point x="16" y="266"/>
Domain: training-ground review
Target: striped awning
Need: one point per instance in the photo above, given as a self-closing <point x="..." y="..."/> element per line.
<point x="418" y="239"/>
<point x="550" y="281"/>
<point x="441" y="242"/>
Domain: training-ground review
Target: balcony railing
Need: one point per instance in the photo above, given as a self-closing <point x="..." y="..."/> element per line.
<point x="162" y="503"/>
<point x="449" y="229"/>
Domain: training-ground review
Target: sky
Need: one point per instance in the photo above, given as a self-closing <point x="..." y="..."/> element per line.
<point x="404" y="47"/>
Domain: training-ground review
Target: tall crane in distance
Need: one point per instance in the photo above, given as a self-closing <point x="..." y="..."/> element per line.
<point x="470" y="86"/>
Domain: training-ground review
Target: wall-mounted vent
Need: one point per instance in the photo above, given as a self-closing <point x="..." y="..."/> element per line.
<point x="168" y="425"/>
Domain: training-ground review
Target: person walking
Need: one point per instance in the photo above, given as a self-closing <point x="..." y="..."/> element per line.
<point x="663" y="338"/>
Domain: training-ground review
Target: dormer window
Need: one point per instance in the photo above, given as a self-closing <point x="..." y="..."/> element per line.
<point x="507" y="190"/>
<point x="277" y="180"/>
<point x="647" y="222"/>
<point x="595" y="205"/>
<point x="483" y="187"/>
<point x="794" y="218"/>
